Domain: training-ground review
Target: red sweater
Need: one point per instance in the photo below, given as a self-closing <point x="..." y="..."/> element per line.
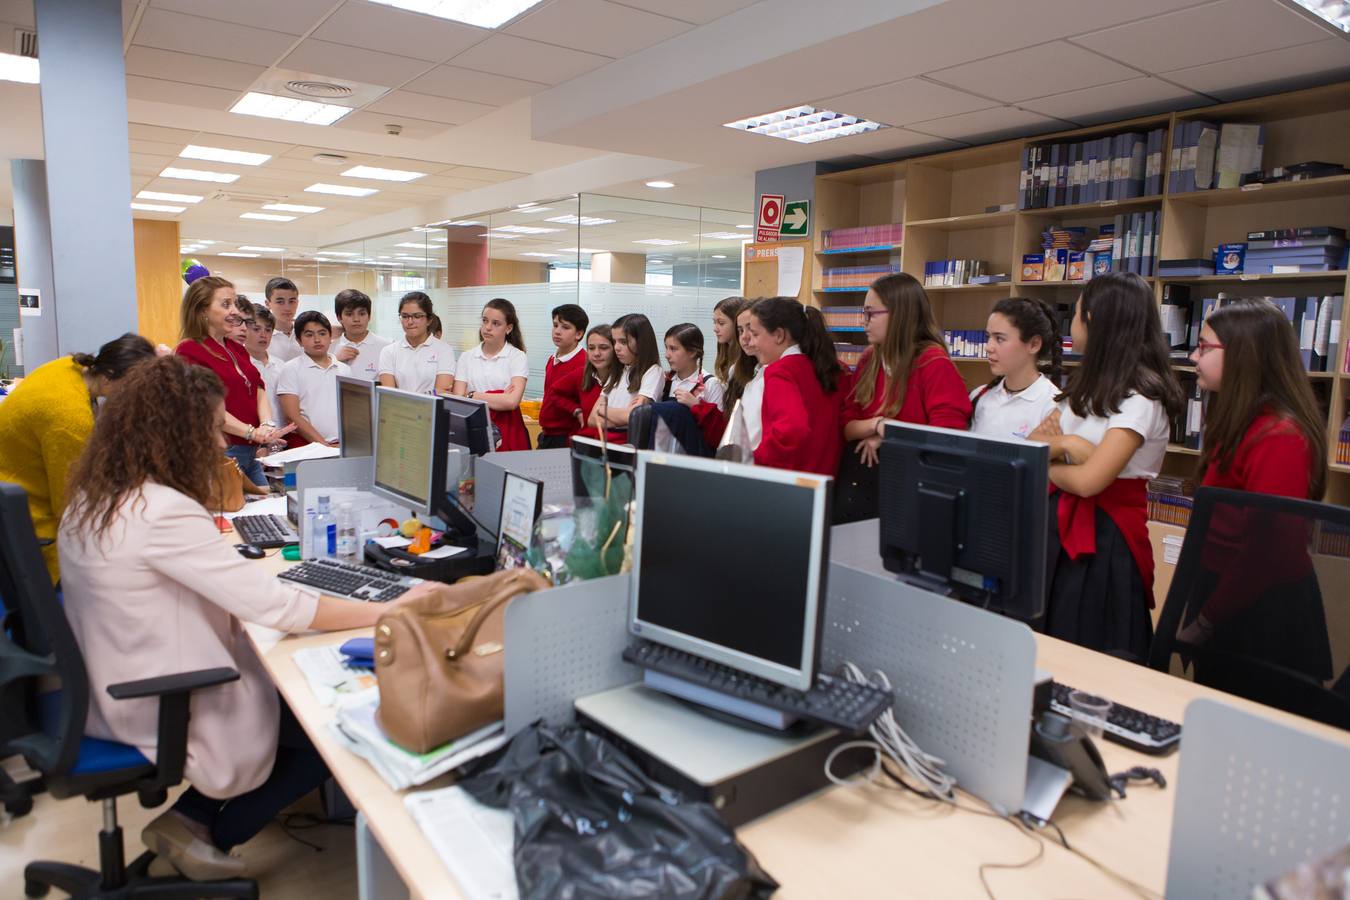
<point x="935" y="393"/>
<point x="1273" y="458"/>
<point x="801" y="423"/>
<point x="562" y="395"/>
<point x="242" y="381"/>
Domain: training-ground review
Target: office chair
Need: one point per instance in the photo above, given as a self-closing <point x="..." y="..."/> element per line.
<point x="47" y="730"/>
<point x="1260" y="603"/>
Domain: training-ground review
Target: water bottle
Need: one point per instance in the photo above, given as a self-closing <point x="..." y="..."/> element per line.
<point x="323" y="538"/>
<point x="348" y="534"/>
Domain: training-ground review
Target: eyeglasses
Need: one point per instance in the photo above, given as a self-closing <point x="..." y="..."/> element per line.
<point x="1203" y="347"/>
<point x="234" y="320"/>
<point x="870" y="314"/>
<point x="412" y="317"/>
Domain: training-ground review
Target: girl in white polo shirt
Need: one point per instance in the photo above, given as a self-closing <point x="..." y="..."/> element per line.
<point x="417" y="362"/>
<point x="496" y="371"/>
<point x="1023" y="338"/>
<point x="639" y="380"/>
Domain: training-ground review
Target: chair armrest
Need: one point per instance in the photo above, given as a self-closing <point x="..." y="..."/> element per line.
<point x="180" y="683"/>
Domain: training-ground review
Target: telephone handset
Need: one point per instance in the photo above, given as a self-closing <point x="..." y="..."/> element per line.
<point x="1058" y="740"/>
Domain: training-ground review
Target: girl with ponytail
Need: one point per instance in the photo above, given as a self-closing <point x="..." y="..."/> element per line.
<point x="1025" y="353"/>
<point x="796" y="424"/>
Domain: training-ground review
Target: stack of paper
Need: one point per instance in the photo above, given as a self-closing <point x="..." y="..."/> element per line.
<point x="357" y="729"/>
<point x="330" y="676"/>
<point x="300" y="454"/>
<point x="475" y="842"/>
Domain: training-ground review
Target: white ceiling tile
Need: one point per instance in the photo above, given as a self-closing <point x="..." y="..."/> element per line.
<point x="699" y="12"/>
<point x="340" y="61"/>
<point x="17" y="12"/>
<point x="597" y="26"/>
<point x="482" y="174"/>
<point x="160" y="91"/>
<point x="396" y="31"/>
<point x="1233" y="78"/>
<point x="290" y="16"/>
<point x="1033" y="72"/>
<point x="478" y="87"/>
<point x="1203" y="34"/>
<point x="902" y="102"/>
<point x="155" y="148"/>
<point x="220" y="40"/>
<point x="156" y="133"/>
<point x="433" y="109"/>
<point x="989" y="124"/>
<point x="504" y="54"/>
<point x="413" y="129"/>
<point x="192" y="69"/>
<point x="1122" y="100"/>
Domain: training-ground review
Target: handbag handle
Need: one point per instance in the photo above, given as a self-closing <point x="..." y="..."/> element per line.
<point x="505" y="593"/>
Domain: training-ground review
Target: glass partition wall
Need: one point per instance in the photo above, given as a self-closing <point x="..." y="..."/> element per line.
<point x="610" y="255"/>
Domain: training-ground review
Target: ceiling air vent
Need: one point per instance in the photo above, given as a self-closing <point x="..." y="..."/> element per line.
<point x="329" y="159"/>
<point x="250" y="199"/>
<point x="323" y="90"/>
<point x="25" y="43"/>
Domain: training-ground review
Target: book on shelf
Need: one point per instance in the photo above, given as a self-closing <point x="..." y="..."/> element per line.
<point x="843" y="317"/>
<point x="863" y="236"/>
<point x="1228" y="259"/>
<point x="967" y="344"/>
<point x="1170" y="500"/>
<point x="1316" y="322"/>
<point x="1309" y="231"/>
<point x="1343" y="443"/>
<point x="1185" y="268"/>
<point x="1113" y="167"/>
<point x="850" y="354"/>
<point x="1033" y="267"/>
<point x="951" y="272"/>
<point x="1194" y="145"/>
<point x="855" y="276"/>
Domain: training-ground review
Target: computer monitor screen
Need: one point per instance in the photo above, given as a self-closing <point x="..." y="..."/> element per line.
<point x="748" y="596"/>
<point x="522" y="500"/>
<point x="588" y="456"/>
<point x="470" y="424"/>
<point x="965" y="514"/>
<point x="356" y="401"/>
<point x="410" y="449"/>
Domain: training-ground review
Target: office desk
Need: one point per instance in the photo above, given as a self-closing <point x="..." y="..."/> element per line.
<point x="866" y="841"/>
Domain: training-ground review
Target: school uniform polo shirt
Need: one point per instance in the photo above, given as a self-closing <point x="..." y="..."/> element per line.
<point x="367" y="362"/>
<point x="415" y="368"/>
<point x="316" y="386"/>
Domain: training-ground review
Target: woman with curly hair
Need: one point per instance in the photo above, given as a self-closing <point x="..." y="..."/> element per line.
<point x="151" y="589"/>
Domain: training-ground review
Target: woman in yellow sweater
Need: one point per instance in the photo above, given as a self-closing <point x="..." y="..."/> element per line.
<point x="46" y="421"/>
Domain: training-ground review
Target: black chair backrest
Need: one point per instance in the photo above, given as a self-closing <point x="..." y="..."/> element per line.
<point x="1260" y="603"/>
<point x="36" y="644"/>
<point x="642" y="427"/>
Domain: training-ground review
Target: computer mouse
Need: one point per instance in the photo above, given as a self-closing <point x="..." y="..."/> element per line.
<point x="248" y="551"/>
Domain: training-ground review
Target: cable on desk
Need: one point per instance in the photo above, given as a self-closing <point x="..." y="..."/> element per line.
<point x="1022" y="829"/>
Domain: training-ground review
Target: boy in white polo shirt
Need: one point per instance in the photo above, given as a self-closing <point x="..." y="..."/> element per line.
<point x="357" y="347"/>
<point x="283" y="298"/>
<point x="307" y="385"/>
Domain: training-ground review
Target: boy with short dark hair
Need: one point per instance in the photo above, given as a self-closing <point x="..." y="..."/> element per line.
<point x="283" y="299"/>
<point x="307" y="385"/>
<point x="558" y="419"/>
<point x="357" y="346"/>
<point x="257" y="341"/>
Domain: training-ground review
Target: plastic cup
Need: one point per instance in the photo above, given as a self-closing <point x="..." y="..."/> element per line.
<point x="1090" y="711"/>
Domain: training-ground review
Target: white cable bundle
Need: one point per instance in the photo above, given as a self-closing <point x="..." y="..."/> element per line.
<point x="889" y="738"/>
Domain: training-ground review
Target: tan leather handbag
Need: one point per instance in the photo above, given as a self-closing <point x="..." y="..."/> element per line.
<point x="438" y="659"/>
<point x="227" y="494"/>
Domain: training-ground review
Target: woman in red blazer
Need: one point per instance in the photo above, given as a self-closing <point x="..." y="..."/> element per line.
<point x="798" y="414"/>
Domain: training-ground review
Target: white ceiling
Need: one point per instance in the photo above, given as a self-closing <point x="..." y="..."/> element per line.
<point x="602" y="95"/>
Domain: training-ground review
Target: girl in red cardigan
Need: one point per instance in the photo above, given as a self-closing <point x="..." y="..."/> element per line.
<point x="600" y="364"/>
<point x="904" y="374"/>
<point x="1257" y="594"/>
<point x="798" y="413"/>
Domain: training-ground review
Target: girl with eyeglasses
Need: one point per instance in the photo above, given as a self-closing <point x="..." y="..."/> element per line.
<point x="417" y="362"/>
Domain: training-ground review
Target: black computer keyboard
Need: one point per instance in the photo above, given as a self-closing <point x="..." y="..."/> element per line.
<point x="267" y="532"/>
<point x="1124" y="725"/>
<point x="349" y="580"/>
<point x="835" y="702"/>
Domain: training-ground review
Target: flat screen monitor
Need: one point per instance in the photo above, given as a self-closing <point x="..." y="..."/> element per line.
<point x="410" y="449"/>
<point x="587" y="452"/>
<point x="356" y="413"/>
<point x="522" y="501"/>
<point x="470" y="424"/>
<point x="965" y="514"/>
<point x="752" y="598"/>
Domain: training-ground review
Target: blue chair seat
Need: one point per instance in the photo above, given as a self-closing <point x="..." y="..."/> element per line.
<point x="96" y="755"/>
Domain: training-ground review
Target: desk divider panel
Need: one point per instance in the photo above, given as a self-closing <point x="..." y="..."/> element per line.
<point x="1255" y="798"/>
<point x="336" y="472"/>
<point x="552" y="467"/>
<point x="963" y="677"/>
<point x="562" y="644"/>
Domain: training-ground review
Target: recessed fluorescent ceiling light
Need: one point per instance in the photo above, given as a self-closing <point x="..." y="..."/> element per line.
<point x="723" y="235"/>
<point x="220" y="154"/>
<point x="1332" y="12"/>
<point x="805" y="124"/>
<point x="523" y="229"/>
<point x="271" y="106"/>
<point x="661" y="242"/>
<point x="265" y="249"/>
<point x="23" y="69"/>
<point x="483" y="13"/>
<point x="500" y="237"/>
<point x="158" y="207"/>
<point x="455" y="223"/>
<point x="660" y="185"/>
<point x="377" y="174"/>
<point x="170" y="198"/>
<point x="539" y="254"/>
<point x="412" y="245"/>
<point x="266" y="217"/>
<point x="242" y="255"/>
<point x="579" y="250"/>
<point x="342" y="189"/>
<point x="293" y="207"/>
<point x="534" y="209"/>
<point x="336" y="253"/>
<point x="581" y="220"/>
<point x="745" y="226"/>
<point x="199" y="175"/>
<point x="719" y="256"/>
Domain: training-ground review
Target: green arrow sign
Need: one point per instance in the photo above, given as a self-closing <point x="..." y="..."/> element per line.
<point x="796" y="219"/>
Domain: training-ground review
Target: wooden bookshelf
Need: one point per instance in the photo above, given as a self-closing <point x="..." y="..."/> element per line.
<point x="943" y="202"/>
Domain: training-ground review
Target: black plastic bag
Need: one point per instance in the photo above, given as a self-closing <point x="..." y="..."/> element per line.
<point x="590" y="824"/>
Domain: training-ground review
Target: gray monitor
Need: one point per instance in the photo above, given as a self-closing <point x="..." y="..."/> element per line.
<point x="410" y="449"/>
<point x="356" y="416"/>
